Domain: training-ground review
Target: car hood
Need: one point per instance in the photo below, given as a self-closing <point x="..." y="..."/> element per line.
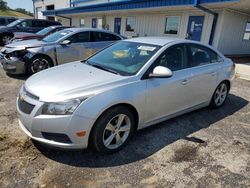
<point x="21" y="45"/>
<point x="72" y="80"/>
<point x="3" y="28"/>
<point x="19" y="35"/>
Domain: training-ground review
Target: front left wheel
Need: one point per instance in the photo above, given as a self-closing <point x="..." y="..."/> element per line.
<point x="38" y="63"/>
<point x="113" y="130"/>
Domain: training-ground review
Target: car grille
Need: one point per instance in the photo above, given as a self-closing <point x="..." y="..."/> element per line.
<point x="24" y="106"/>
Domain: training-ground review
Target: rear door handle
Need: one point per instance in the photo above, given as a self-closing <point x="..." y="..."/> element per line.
<point x="184" y="82"/>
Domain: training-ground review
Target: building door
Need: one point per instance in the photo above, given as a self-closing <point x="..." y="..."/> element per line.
<point x="94" y="23"/>
<point x="117" y="26"/>
<point x="195" y="26"/>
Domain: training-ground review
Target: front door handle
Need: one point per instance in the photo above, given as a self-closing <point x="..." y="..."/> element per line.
<point x="214" y="73"/>
<point x="184" y="82"/>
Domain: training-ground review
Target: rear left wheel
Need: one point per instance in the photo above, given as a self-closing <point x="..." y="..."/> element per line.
<point x="113" y="130"/>
<point x="220" y="95"/>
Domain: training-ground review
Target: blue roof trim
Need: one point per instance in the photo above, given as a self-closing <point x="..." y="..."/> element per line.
<point x="128" y="4"/>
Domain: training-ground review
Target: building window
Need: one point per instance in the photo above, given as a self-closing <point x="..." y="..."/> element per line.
<point x="130" y="24"/>
<point x="172" y="25"/>
<point x="247" y="32"/>
<point x="82" y="22"/>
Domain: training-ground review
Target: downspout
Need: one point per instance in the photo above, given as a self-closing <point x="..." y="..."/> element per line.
<point x="215" y="19"/>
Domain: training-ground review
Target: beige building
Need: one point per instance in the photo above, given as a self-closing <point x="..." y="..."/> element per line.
<point x="224" y="24"/>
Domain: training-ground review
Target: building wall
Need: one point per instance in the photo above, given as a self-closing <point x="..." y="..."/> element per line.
<point x="230" y="37"/>
<point x="40" y="5"/>
<point x="148" y="24"/>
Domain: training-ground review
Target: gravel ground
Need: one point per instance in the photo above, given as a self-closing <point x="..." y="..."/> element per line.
<point x="205" y="148"/>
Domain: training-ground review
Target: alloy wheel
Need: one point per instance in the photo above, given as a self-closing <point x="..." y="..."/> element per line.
<point x="116" y="131"/>
<point x="39" y="65"/>
<point x="220" y="94"/>
<point x="6" y="39"/>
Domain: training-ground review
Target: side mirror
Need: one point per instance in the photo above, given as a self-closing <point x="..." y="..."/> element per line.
<point x="65" y="42"/>
<point x="161" y="72"/>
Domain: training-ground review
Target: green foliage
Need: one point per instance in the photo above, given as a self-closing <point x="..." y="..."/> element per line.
<point x="3" y="5"/>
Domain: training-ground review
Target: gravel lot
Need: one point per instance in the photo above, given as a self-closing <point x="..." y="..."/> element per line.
<point x="205" y="148"/>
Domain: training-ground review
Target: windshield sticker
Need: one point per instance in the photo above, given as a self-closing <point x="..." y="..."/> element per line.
<point x="64" y="33"/>
<point x="146" y="48"/>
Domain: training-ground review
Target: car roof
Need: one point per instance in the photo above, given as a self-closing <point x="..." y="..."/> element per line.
<point x="159" y="41"/>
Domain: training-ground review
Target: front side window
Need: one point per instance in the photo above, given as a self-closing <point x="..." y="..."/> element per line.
<point x="26" y="23"/>
<point x="173" y="58"/>
<point x="124" y="58"/>
<point x="79" y="37"/>
<point x="200" y="55"/>
<point x="172" y="25"/>
<point x="247" y="32"/>
<point x="130" y="24"/>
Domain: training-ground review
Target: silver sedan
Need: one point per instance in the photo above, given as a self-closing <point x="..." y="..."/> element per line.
<point x="73" y="44"/>
<point x="128" y="86"/>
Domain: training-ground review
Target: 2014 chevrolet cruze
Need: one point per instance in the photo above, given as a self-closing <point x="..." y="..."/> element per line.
<point x="125" y="87"/>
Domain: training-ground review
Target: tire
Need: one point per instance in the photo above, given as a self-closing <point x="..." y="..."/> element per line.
<point x="106" y="136"/>
<point x="5" y="39"/>
<point x="38" y="63"/>
<point x="220" y="95"/>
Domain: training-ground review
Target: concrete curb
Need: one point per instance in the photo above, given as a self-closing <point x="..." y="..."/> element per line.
<point x="243" y="71"/>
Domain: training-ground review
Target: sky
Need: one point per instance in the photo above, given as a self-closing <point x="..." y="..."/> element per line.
<point x="26" y="4"/>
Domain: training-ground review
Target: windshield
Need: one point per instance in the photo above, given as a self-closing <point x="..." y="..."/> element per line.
<point x="56" y="36"/>
<point x="45" y="31"/>
<point x="124" y="58"/>
<point x="14" y="23"/>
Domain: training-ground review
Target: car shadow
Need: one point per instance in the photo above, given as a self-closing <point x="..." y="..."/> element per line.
<point x="148" y="141"/>
<point x="18" y="76"/>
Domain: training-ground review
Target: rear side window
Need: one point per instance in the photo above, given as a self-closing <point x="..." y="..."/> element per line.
<point x="102" y="36"/>
<point x="80" y="37"/>
<point x="173" y="58"/>
<point x="2" y="21"/>
<point x="201" y="55"/>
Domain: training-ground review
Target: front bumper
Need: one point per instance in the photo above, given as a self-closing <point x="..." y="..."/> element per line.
<point x="13" y="65"/>
<point x="36" y="124"/>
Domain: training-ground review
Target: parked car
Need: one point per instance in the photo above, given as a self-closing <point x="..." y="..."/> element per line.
<point x="5" y="20"/>
<point x="18" y="36"/>
<point x="128" y="86"/>
<point x="23" y="25"/>
<point x="73" y="44"/>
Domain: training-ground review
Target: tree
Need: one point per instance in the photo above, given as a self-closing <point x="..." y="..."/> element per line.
<point x="21" y="10"/>
<point x="3" y="5"/>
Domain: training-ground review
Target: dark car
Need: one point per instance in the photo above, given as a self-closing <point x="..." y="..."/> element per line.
<point x="23" y="25"/>
<point x="5" y="20"/>
<point x="18" y="36"/>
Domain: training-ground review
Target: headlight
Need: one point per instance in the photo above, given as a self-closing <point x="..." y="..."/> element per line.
<point x="19" y="53"/>
<point x="62" y="108"/>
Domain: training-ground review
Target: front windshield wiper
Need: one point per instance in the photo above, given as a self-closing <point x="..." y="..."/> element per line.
<point x="105" y="69"/>
<point x="100" y="67"/>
